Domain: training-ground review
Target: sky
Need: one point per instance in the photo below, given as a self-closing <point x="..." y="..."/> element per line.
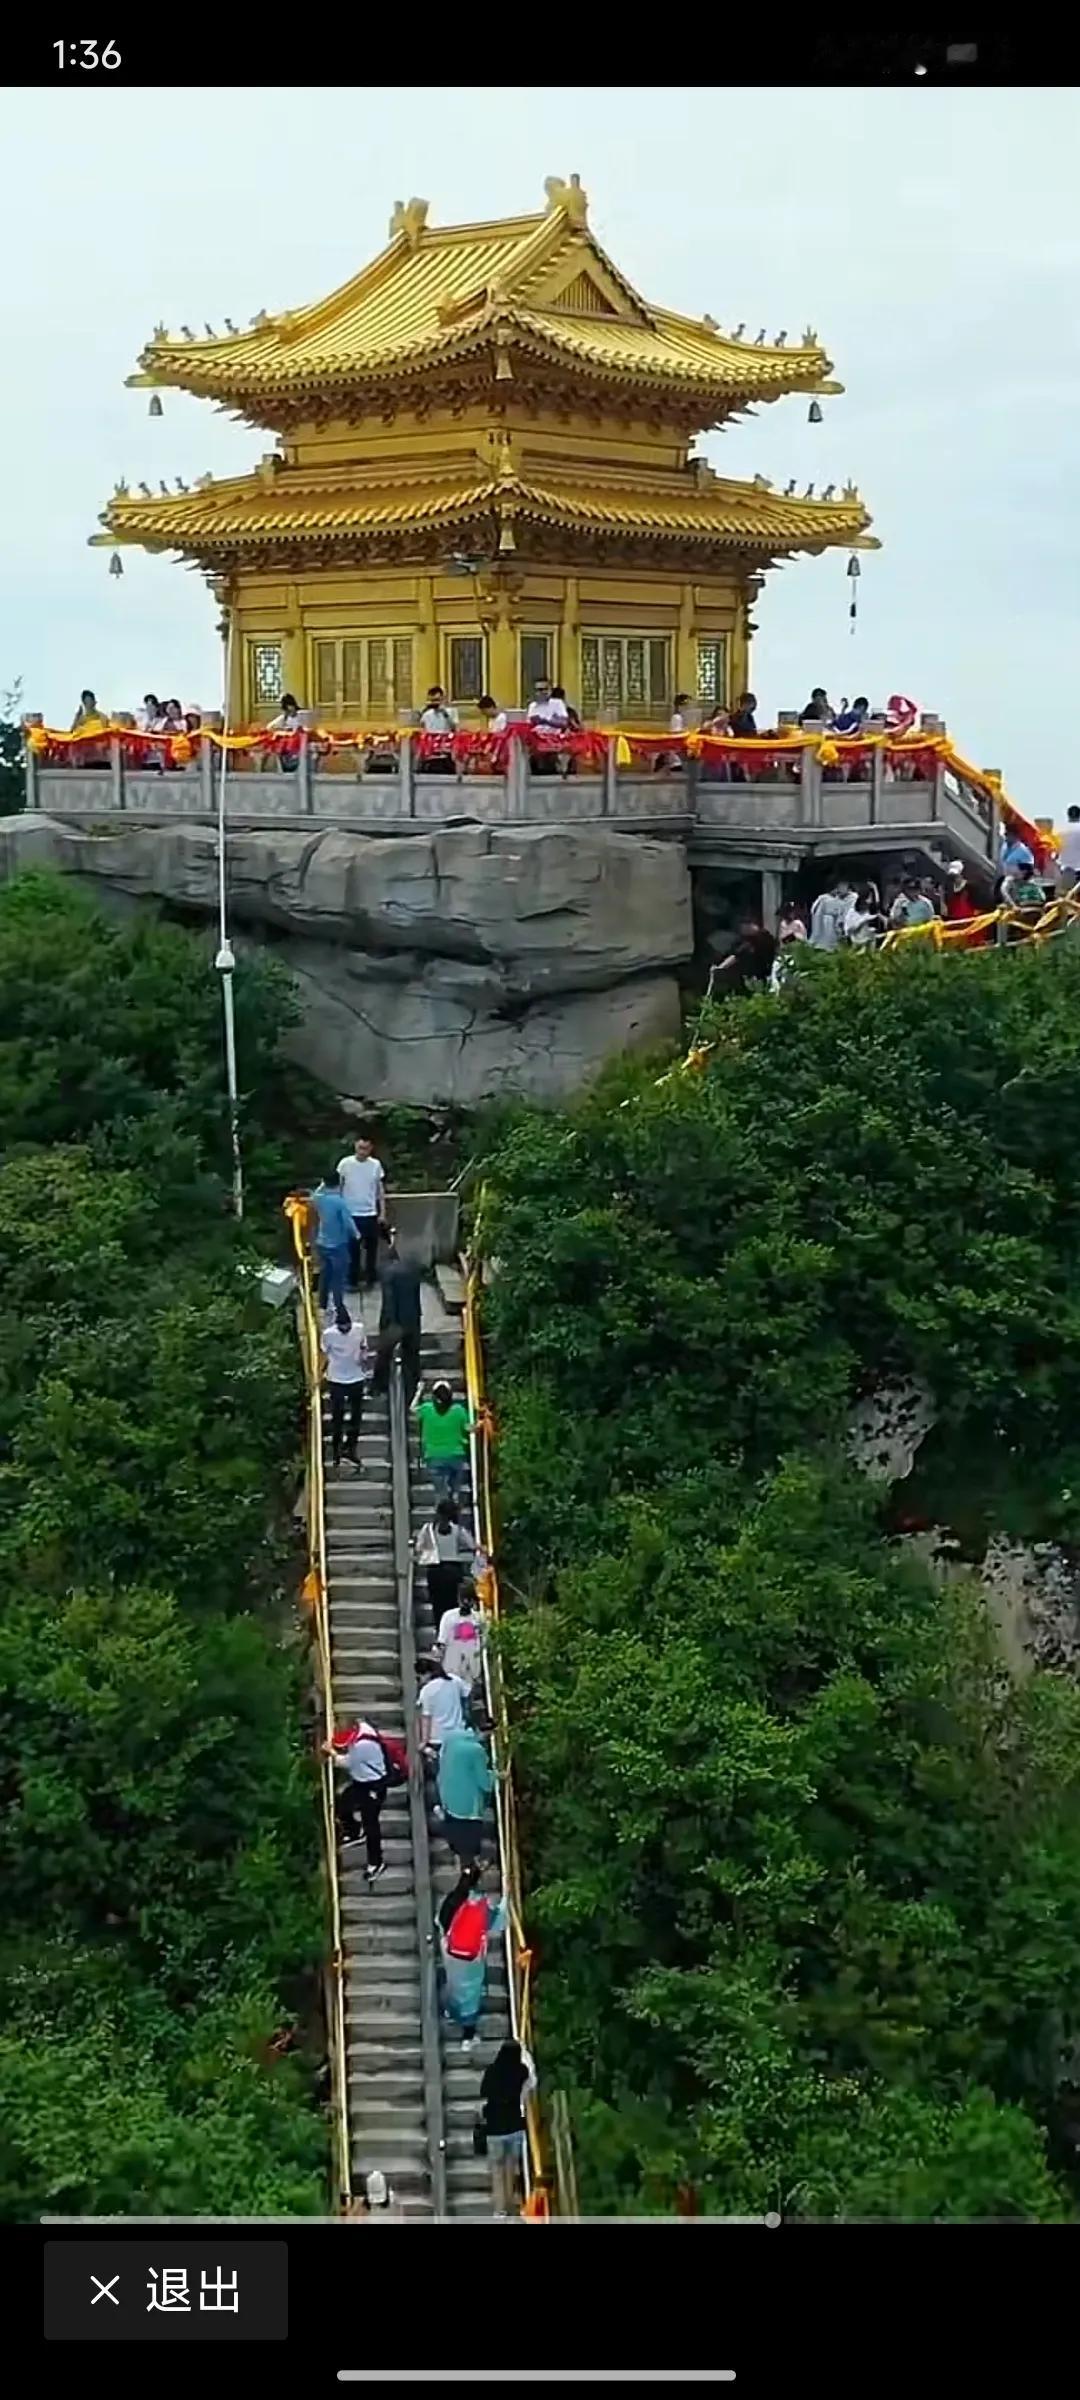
<point x="931" y="237"/>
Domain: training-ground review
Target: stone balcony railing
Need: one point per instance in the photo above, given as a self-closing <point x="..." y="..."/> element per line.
<point x="786" y="807"/>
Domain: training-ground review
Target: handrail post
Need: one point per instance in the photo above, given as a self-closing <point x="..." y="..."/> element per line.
<point x="422" y="1891"/>
<point x="31" y="785"/>
<point x="116" y="762"/>
<point x="406" y="780"/>
<point x="303" y="774"/>
<point x="206" y="773"/>
<point x="609" y="791"/>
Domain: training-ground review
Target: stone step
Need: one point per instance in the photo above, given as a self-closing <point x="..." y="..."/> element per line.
<point x="450" y="1285"/>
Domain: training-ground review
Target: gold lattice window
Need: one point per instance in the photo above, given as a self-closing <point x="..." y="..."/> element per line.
<point x="265" y="674"/>
<point x="625" y="675"/>
<point x="712" y="671"/>
<point x="362" y="676"/>
<point x="465" y="666"/>
<point x="535" y="664"/>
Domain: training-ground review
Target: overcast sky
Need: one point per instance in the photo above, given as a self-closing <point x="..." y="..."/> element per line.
<point x="932" y="238"/>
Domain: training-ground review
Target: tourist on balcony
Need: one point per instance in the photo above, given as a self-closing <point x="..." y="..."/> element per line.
<point x="851" y="716"/>
<point x="864" y="923"/>
<point x="1023" y="888"/>
<point x="828" y="913"/>
<point x="467" y="1921"/>
<point x="505" y="2087"/>
<point x="670" y="762"/>
<point x="1014" y="853"/>
<point x="348" y="1369"/>
<point x="288" y="722"/>
<point x="912" y="905"/>
<point x="364" y="1186"/>
<point x="88" y="713"/>
<point x="333" y="1237"/>
<point x="744" y="719"/>
<point x="440" y="721"/>
<point x="818" y="710"/>
<point x="548" y="714"/>
<point x="151" y="716"/>
<point x="716" y="768"/>
<point x="495" y="718"/>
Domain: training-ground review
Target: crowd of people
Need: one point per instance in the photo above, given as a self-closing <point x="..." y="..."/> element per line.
<point x="853" y="916"/>
<point x="550" y="718"/>
<point x="355" y="1247"/>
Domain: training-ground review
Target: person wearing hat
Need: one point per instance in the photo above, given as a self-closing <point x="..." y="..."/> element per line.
<point x="445" y="1426"/>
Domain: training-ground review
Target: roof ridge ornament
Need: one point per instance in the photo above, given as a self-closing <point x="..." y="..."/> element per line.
<point x="567" y="197"/>
<point x="409" y="219"/>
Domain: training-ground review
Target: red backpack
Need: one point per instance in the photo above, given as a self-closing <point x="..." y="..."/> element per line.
<point x="468" y="1930"/>
<point x="395" y="1755"/>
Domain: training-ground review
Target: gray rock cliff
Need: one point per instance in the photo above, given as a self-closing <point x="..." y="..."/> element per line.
<point x="443" y="966"/>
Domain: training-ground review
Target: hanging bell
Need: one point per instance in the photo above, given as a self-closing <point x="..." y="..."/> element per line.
<point x="506" y="539"/>
<point x="155" y="409"/>
<point x="813" y="414"/>
<point x="853" y="566"/>
<point x="116" y="564"/>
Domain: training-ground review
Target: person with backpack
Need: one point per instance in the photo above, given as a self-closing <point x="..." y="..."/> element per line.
<point x="505" y="2087"/>
<point x="467" y="1921"/>
<point x="372" y="1762"/>
<point x="446" y="1550"/>
<point x="466" y="1783"/>
<point x="444" y="1439"/>
<point x="460" y="1638"/>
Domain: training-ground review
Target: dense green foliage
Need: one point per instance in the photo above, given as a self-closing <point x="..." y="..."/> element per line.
<point x="159" y="1899"/>
<point x="805" y="1866"/>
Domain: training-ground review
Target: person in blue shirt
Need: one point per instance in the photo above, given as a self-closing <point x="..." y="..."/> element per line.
<point x="334" y="1236"/>
<point x="466" y="1783"/>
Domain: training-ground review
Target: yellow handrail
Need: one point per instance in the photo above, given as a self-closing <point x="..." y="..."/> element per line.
<point x="316" y="1598"/>
<point x="519" y="1955"/>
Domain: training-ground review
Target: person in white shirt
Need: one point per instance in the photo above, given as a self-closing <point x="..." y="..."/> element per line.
<point x="1069" y="852"/>
<point x="348" y="1369"/>
<point x="460" y="1639"/>
<point x="549" y="714"/>
<point x="441" y="1706"/>
<point x="439" y="719"/>
<point x="363" y="1188"/>
<point x="445" y="1548"/>
<point x="495" y="718"/>
<point x="863" y="922"/>
<point x="358" y="1749"/>
<point x="828" y="913"/>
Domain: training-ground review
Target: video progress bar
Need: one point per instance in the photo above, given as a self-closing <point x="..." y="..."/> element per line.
<point x="539" y="2375"/>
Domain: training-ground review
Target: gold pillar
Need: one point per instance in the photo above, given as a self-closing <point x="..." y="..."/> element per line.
<point x="238" y="698"/>
<point x="502" y="659"/>
<point x="293" y="660"/>
<point x="427" y="642"/>
<point x="569" y="667"/>
<point x="686" y="645"/>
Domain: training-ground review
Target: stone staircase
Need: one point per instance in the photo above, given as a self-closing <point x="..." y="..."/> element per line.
<point x="468" y="2180"/>
<point x="382" y="1926"/>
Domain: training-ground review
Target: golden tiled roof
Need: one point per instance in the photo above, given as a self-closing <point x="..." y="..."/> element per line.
<point x="540" y="286"/>
<point x="291" y="509"/>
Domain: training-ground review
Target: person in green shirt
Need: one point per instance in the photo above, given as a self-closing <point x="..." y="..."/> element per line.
<point x="445" y="1426"/>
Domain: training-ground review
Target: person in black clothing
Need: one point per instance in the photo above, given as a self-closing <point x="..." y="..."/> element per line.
<point x="504" y="2088"/>
<point x="744" y="721"/>
<point x="399" y="1321"/>
<point x="750" y="962"/>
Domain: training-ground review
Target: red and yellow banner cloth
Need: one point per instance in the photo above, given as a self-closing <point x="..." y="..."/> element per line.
<point x="915" y="755"/>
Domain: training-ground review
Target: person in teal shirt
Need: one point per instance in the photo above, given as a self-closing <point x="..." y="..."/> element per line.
<point x="445" y="1426"/>
<point x="465" y="1786"/>
<point x="467" y="1921"/>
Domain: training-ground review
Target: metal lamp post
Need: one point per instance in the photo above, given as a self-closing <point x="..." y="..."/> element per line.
<point x="225" y="961"/>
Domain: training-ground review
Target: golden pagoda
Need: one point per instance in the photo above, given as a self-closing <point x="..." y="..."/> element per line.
<point x="485" y="475"/>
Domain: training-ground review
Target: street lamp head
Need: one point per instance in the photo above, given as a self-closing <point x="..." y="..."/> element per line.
<point x="226" y="959"/>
